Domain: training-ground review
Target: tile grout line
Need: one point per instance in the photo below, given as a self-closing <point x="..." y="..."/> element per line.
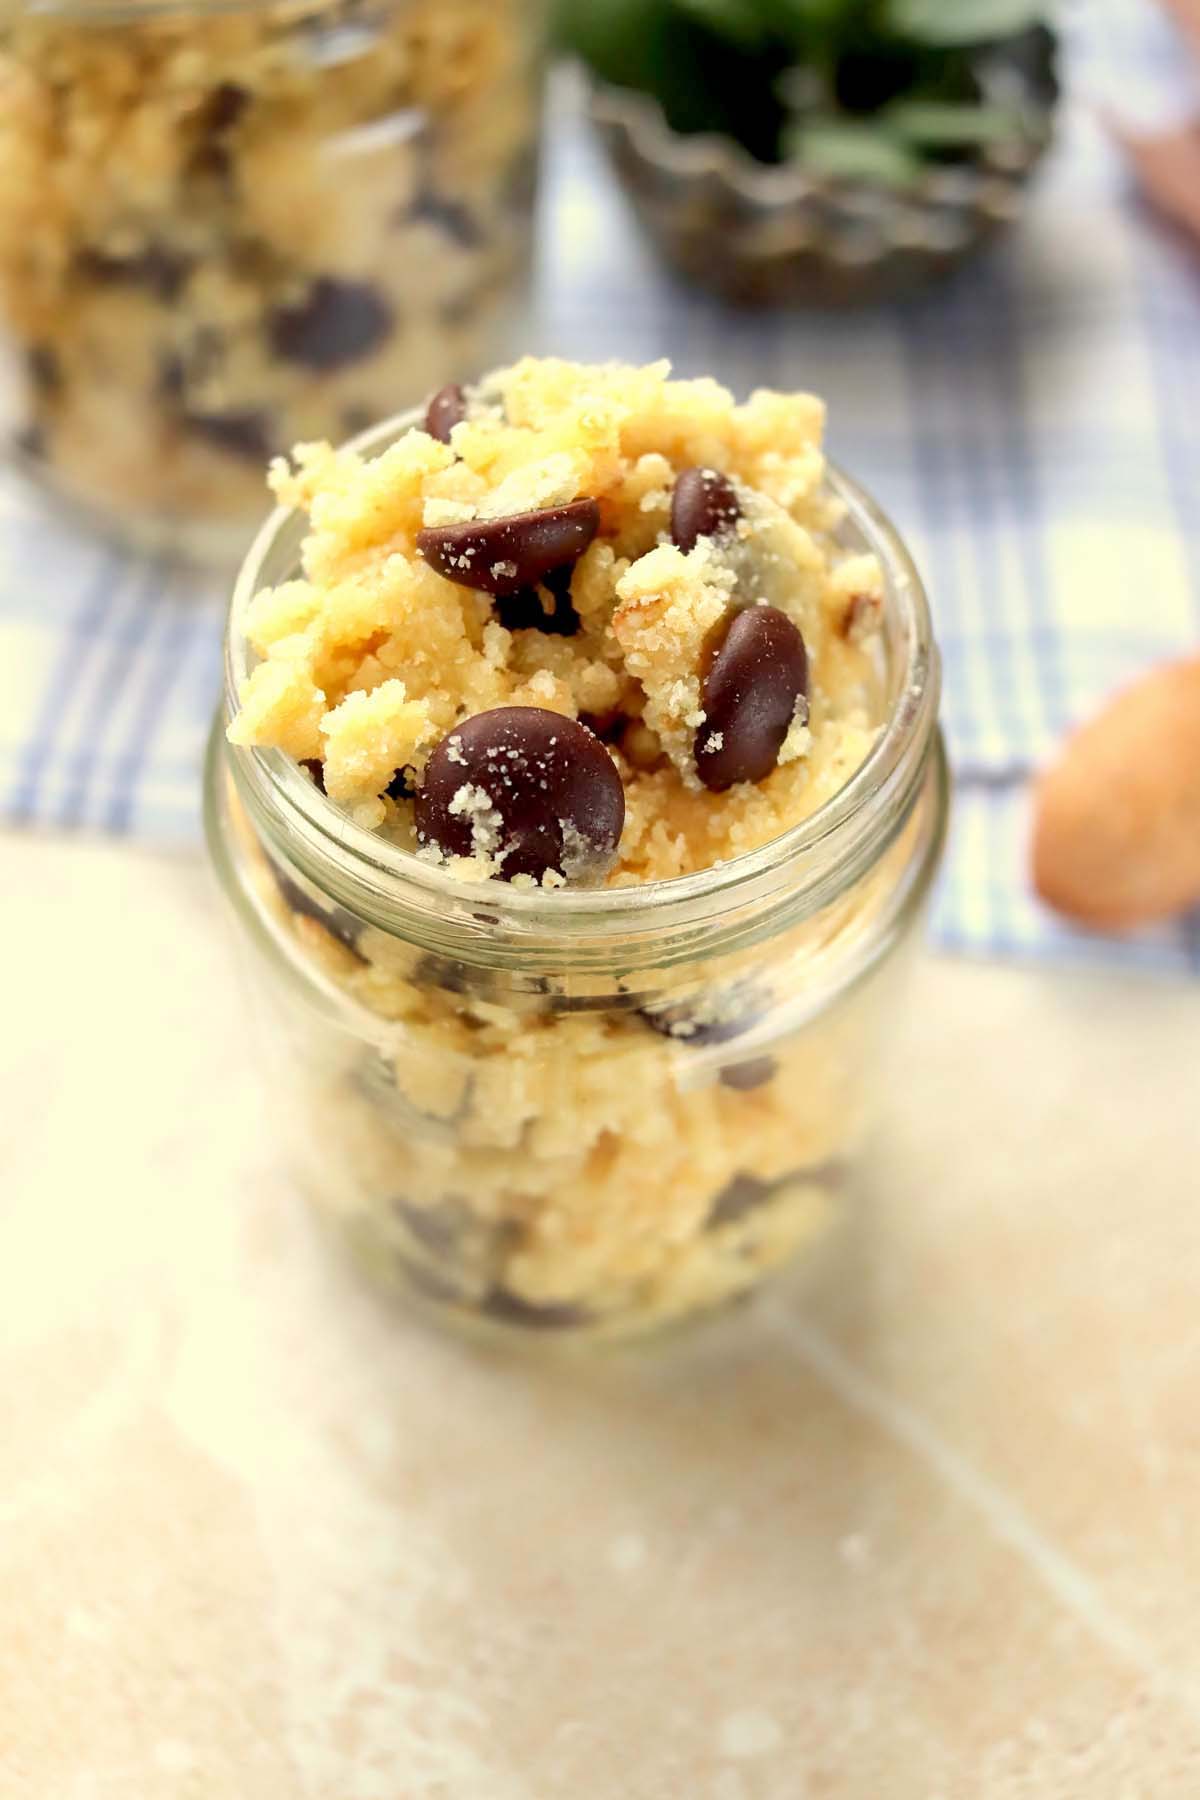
<point x="1005" y="1518"/>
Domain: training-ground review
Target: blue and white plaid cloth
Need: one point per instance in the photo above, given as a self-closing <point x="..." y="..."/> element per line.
<point x="1032" y="427"/>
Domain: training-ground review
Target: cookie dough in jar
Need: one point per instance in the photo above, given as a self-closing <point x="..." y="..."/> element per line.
<point x="226" y="229"/>
<point x="578" y="790"/>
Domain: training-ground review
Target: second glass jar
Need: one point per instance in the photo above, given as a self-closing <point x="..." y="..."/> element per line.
<point x="224" y="231"/>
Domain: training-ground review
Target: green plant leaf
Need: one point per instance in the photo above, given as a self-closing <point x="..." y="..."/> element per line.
<point x="619" y="38"/>
<point x="962" y="21"/>
<point x="851" y="150"/>
<point x="938" y="124"/>
<point x="819" y="29"/>
<point x="740" y="22"/>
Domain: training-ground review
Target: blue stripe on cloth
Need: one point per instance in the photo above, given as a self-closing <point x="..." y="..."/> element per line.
<point x="160" y="672"/>
<point x="75" y="650"/>
<point x="128" y="646"/>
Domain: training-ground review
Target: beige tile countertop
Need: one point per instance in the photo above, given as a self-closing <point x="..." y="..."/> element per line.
<point x="931" y="1533"/>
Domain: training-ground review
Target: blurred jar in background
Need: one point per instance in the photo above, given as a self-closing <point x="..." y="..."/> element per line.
<point x="225" y="230"/>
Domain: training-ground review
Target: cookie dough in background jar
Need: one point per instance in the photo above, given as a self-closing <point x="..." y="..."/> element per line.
<point x="226" y="229"/>
<point x="582" y="1111"/>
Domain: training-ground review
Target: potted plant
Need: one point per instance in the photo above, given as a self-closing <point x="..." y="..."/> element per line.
<point x="820" y="150"/>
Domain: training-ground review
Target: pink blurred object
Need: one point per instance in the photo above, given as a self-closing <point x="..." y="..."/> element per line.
<point x="1167" y="163"/>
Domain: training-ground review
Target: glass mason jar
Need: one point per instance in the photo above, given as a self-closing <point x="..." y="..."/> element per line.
<point x="589" y="1111"/>
<point x="229" y="228"/>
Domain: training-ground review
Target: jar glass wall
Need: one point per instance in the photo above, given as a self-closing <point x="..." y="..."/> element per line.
<point x="582" y="1111"/>
<point x="226" y="230"/>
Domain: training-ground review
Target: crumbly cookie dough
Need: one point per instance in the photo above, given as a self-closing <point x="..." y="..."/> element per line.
<point x="553" y="1160"/>
<point x="224" y="232"/>
<point x="371" y="657"/>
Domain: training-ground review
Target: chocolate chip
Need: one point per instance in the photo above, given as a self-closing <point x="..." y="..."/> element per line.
<point x="546" y="1316"/>
<point x="335" y="919"/>
<point x="171" y="376"/>
<point x="501" y="556"/>
<point x="526" y="610"/>
<point x="314" y="768"/>
<point x="685" y="1025"/>
<point x="741" y="1195"/>
<point x="162" y="271"/>
<point x="608" y="726"/>
<point x="336" y="323"/>
<point x="197" y="361"/>
<point x="756" y="683"/>
<point x="743" y="1077"/>
<point x="45" y="370"/>
<point x="447" y="409"/>
<point x="30" y="441"/>
<point x="450" y="216"/>
<point x="243" y="434"/>
<point x="438" y="1229"/>
<point x="452" y="977"/>
<point x="533" y="789"/>
<point x="744" y="1194"/>
<point x="224" y="107"/>
<point x="400" y="787"/>
<point x="703" y="504"/>
<point x="211" y="162"/>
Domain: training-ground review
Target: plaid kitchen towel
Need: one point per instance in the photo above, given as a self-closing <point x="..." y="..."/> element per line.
<point x="1032" y="428"/>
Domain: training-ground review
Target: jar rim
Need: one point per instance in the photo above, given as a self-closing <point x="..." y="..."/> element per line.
<point x="812" y="860"/>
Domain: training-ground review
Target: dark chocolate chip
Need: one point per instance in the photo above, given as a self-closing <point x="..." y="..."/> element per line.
<point x="609" y="727"/>
<point x="335" y="919"/>
<point x="242" y="434"/>
<point x="314" y="768"/>
<point x="45" y="370"/>
<point x="501" y="556"/>
<point x="30" y="441"/>
<point x="741" y="1195"/>
<point x="703" y="504"/>
<point x="527" y="610"/>
<point x="680" y="1023"/>
<point x="756" y="684"/>
<point x="452" y="977"/>
<point x="450" y="216"/>
<point x="172" y="375"/>
<point x="437" y="1229"/>
<point x="401" y="786"/>
<point x="744" y="1194"/>
<point x="743" y="1077"/>
<point x="336" y="323"/>
<point x="548" y="792"/>
<point x="224" y="107"/>
<point x="211" y="162"/>
<point x="447" y="409"/>
<point x="162" y="271"/>
<point x="546" y="1316"/>
<point x="196" y="362"/>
